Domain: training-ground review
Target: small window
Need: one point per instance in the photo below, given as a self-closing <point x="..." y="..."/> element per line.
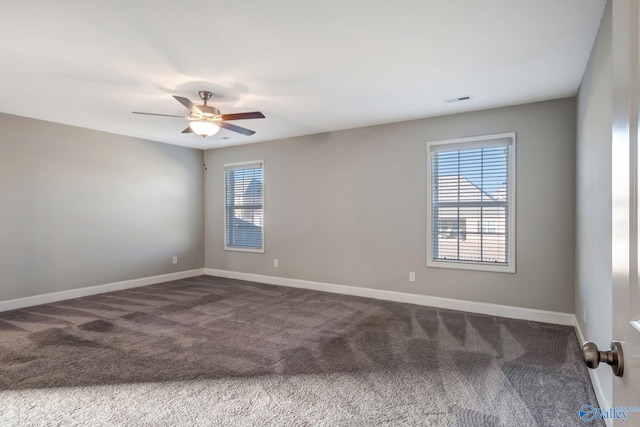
<point x="471" y="203"/>
<point x="244" y="199"/>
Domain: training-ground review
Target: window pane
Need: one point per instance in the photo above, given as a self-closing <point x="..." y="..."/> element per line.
<point x="470" y="204"/>
<point x="243" y="204"/>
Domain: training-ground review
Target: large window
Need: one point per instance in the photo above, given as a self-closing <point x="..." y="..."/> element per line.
<point x="244" y="214"/>
<point x="471" y="203"/>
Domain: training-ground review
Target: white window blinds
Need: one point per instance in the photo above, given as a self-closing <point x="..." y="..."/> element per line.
<point x="470" y="202"/>
<point x="244" y="206"/>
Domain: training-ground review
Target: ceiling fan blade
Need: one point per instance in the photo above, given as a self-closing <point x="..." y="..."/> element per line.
<point x="242" y="116"/>
<point x="156" y="114"/>
<point x="187" y="103"/>
<point x="187" y="130"/>
<point x="235" y="128"/>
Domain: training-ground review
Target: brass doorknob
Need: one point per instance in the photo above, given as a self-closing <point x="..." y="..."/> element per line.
<point x="612" y="357"/>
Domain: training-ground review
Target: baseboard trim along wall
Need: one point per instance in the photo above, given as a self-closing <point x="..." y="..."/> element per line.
<point x="595" y="380"/>
<point x="448" y="303"/>
<point x="17" y="303"/>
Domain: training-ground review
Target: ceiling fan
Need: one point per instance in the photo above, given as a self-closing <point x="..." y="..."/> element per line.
<point x="206" y="120"/>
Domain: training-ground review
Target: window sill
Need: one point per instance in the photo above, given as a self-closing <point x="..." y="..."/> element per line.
<point x="232" y="249"/>
<point x="460" y="265"/>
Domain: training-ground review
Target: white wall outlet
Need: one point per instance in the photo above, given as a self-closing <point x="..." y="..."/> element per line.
<point x="275" y="263"/>
<point x="412" y="276"/>
<point x="175" y="260"/>
<point x="584" y="314"/>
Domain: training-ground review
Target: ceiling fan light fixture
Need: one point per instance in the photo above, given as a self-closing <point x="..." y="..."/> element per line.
<point x="206" y="120"/>
<point x="204" y="128"/>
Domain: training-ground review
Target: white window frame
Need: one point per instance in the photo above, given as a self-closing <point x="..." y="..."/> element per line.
<point x="468" y="143"/>
<point x="224" y="207"/>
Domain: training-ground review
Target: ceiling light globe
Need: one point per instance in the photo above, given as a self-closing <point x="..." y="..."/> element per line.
<point x="204" y="128"/>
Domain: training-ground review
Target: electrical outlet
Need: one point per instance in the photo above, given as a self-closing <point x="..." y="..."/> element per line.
<point x="412" y="276"/>
<point x="175" y="259"/>
<point x="584" y="314"/>
<point x="275" y="263"/>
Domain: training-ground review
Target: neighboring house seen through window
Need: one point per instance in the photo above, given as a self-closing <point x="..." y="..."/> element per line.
<point x="471" y="203"/>
<point x="244" y="219"/>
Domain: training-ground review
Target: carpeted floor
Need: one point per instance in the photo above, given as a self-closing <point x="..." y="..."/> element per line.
<point x="211" y="351"/>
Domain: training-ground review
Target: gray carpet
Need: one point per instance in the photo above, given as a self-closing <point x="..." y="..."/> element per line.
<point x="211" y="351"/>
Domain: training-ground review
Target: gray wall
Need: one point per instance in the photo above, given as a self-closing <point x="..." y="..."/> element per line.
<point x="593" y="287"/>
<point x="82" y="207"/>
<point x="349" y="207"/>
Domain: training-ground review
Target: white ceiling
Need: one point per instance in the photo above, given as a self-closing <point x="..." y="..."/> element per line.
<point x="310" y="67"/>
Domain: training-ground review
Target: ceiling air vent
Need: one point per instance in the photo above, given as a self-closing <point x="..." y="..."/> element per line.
<point x="458" y="99"/>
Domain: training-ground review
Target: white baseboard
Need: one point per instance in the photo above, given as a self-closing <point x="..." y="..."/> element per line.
<point x="449" y="303"/>
<point x="17" y="303"/>
<point x="595" y="380"/>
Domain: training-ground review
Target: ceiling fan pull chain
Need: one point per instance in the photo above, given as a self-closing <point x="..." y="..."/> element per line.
<point x="205" y="153"/>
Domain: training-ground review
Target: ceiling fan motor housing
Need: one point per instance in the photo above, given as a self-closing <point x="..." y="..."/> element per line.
<point x="208" y="111"/>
